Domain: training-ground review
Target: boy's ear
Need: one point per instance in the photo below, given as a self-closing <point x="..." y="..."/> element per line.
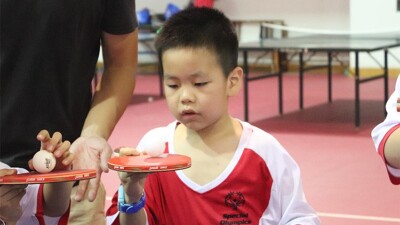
<point x="234" y="82"/>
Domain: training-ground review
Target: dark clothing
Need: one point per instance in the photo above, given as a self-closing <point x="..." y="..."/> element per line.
<point x="48" y="55"/>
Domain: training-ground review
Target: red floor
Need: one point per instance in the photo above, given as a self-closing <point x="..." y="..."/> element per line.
<point x="344" y="179"/>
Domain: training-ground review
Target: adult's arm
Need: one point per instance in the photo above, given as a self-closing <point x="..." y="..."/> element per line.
<point x="120" y="53"/>
<point x="109" y="102"/>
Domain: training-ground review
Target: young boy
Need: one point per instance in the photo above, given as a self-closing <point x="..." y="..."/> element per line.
<point x="386" y="136"/>
<point x="38" y="204"/>
<point x="239" y="174"/>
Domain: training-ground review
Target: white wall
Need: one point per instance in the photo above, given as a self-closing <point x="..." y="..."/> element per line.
<point x="302" y="13"/>
<point x="336" y="15"/>
<point x="378" y="15"/>
<point x="299" y="13"/>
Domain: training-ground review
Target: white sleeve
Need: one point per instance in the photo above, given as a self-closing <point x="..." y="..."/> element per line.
<point x="392" y="118"/>
<point x="28" y="202"/>
<point x="287" y="192"/>
<point x="287" y="204"/>
<point x="28" y="205"/>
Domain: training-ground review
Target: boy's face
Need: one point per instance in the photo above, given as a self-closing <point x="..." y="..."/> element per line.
<point x="195" y="87"/>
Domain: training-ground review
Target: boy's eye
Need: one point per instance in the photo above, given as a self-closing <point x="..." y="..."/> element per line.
<point x="173" y="86"/>
<point x="200" y="84"/>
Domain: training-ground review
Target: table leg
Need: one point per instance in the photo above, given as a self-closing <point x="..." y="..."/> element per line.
<point x="301" y="78"/>
<point x="386" y="79"/>
<point x="281" y="58"/>
<point x="245" y="84"/>
<point x="357" y="89"/>
<point x="329" y="76"/>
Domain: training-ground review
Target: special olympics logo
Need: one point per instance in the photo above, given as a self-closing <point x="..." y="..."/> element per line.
<point x="234" y="200"/>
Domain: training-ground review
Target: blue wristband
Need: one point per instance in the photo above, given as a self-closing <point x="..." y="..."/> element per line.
<point x="129" y="208"/>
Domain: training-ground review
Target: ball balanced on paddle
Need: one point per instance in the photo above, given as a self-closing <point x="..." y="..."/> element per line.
<point x="44" y="161"/>
<point x="156" y="147"/>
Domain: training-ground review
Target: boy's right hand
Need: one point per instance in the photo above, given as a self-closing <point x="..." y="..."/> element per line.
<point x="10" y="196"/>
<point x="133" y="182"/>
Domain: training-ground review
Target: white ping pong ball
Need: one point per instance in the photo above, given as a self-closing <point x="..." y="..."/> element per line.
<point x="44" y="161"/>
<point x="155" y="148"/>
<point x="155" y="142"/>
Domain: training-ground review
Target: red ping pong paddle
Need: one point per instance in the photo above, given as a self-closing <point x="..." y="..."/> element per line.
<point x="146" y="163"/>
<point x="52" y="177"/>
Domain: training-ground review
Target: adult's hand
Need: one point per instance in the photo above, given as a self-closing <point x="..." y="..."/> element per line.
<point x="90" y="153"/>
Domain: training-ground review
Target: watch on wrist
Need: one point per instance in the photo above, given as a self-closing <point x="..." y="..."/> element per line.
<point x="129" y="208"/>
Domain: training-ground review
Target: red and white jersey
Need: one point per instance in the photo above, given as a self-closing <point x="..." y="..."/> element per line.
<point x="32" y="205"/>
<point x="382" y="131"/>
<point x="261" y="185"/>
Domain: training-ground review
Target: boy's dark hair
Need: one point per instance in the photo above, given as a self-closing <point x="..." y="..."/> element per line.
<point x="200" y="28"/>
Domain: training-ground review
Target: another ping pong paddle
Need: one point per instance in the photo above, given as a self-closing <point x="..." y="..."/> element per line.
<point x="146" y="163"/>
<point x="52" y="177"/>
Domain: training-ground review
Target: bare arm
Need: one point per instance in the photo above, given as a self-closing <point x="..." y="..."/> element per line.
<point x="392" y="149"/>
<point x="138" y="218"/>
<point x="117" y="84"/>
<point x="133" y="184"/>
<point x="109" y="102"/>
<point x="56" y="198"/>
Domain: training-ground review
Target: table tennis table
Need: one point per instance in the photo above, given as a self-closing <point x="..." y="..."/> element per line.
<point x="328" y="45"/>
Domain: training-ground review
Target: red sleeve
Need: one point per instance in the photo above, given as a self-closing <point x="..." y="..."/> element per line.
<point x="381" y="148"/>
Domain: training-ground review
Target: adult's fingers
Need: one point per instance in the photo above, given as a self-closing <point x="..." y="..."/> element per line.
<point x="94" y="185"/>
<point x="82" y="187"/>
<point x="88" y="186"/>
<point x="105" y="155"/>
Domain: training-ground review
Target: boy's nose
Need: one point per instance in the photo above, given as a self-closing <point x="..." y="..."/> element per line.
<point x="187" y="95"/>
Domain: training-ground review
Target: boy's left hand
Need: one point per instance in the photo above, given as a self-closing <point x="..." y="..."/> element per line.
<point x="133" y="182"/>
<point x="59" y="148"/>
